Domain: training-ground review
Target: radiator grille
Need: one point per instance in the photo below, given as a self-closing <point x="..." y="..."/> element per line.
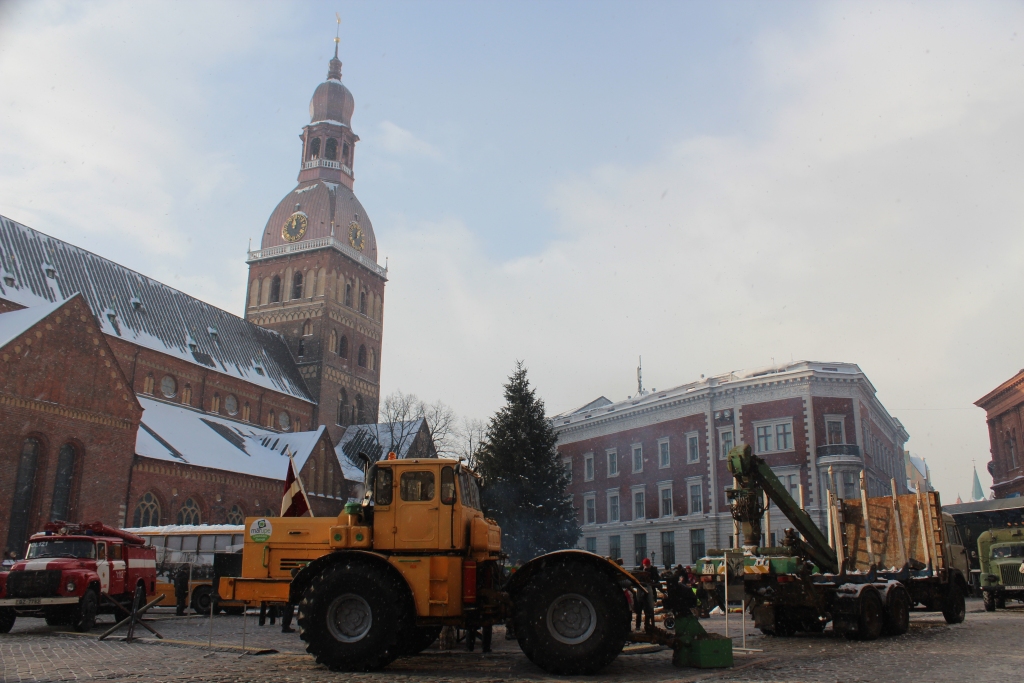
<point x="1010" y="575"/>
<point x="287" y="564"/>
<point x="44" y="583"/>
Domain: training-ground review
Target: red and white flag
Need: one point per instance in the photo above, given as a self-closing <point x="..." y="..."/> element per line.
<point x="294" y="503"/>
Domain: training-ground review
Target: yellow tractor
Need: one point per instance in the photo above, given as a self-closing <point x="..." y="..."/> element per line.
<point x="380" y="581"/>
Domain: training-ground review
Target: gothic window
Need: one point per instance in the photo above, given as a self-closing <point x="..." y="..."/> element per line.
<point x="22" y="502"/>
<point x="343" y="347"/>
<point x="348" y="294"/>
<point x="147" y="512"/>
<point x="362" y="356"/>
<point x="298" y="425"/>
<point x="297" y="286"/>
<point x="344" y="153"/>
<point x="314" y="148"/>
<point x="333" y="341"/>
<point x="215" y="404"/>
<point x="372" y="363"/>
<point x="231" y="405"/>
<point x="148" y="384"/>
<point x="307" y="328"/>
<point x="331" y="150"/>
<point x="342" y="407"/>
<point x="270" y="420"/>
<point x="236" y="515"/>
<point x="275" y="289"/>
<point x="284" y="421"/>
<point x="254" y="294"/>
<point x="62" y="484"/>
<point x="186" y="394"/>
<point x="189" y="513"/>
<point x="360" y="410"/>
<point x="246" y="412"/>
<point x="362" y="302"/>
<point x="302" y="348"/>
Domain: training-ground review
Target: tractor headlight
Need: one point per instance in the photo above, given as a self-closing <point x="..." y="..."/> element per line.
<point x="70" y="587"/>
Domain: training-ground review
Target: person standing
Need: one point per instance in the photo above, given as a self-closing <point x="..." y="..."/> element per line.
<point x="286" y="618"/>
<point x="181" y="589"/>
<point x="651" y="580"/>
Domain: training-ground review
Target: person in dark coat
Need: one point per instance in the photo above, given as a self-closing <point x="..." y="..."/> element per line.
<point x="651" y="579"/>
<point x="471" y="636"/>
<point x="181" y="589"/>
<point x="287" y="615"/>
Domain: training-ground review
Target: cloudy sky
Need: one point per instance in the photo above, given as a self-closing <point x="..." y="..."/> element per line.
<point x="712" y="186"/>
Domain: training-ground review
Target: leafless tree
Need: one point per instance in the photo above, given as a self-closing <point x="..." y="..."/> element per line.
<point x="442" y="424"/>
<point x="469" y="439"/>
<point x="399" y="412"/>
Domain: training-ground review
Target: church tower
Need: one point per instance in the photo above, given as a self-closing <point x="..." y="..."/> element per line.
<point x="315" y="278"/>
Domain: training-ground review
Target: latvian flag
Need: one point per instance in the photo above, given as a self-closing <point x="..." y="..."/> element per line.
<point x="294" y="503"/>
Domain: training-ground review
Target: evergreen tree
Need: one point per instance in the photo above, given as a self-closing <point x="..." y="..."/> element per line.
<point x="525" y="483"/>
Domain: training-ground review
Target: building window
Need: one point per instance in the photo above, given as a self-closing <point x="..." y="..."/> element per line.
<point x="851" y="485"/>
<point x="236" y="515"/>
<point x="231" y="404"/>
<point x="314" y="148"/>
<point x="147" y="512"/>
<point x="186" y="395"/>
<point x="270" y="419"/>
<point x="21" y="503"/>
<point x="588" y="467"/>
<point x="246" y="412"/>
<point x="665" y="496"/>
<point x="331" y="149"/>
<point x="343" y="347"/>
<point x="668" y="548"/>
<point x="348" y="294"/>
<point x="591" y="543"/>
<point x="613" y="463"/>
<point x="834" y="430"/>
<point x="567" y="466"/>
<point x="297" y="286"/>
<point x="215" y="404"/>
<point x="692" y="447"/>
<point x="639" y="509"/>
<point x="614" y="547"/>
<point x="147" y="384"/>
<point x="360" y="410"/>
<point x="307" y="328"/>
<point x="589" y="510"/>
<point x="664" y="457"/>
<point x="342" y="407"/>
<point x="726" y="442"/>
<point x="639" y="548"/>
<point x="284" y="420"/>
<point x="61" y="505"/>
<point x="362" y="302"/>
<point x="697" y="548"/>
<point x="1010" y="447"/>
<point x="344" y="152"/>
<point x="792" y="484"/>
<point x="696" y="497"/>
<point x="361" y="359"/>
<point x="168" y="387"/>
<point x="302" y="348"/>
<point x="775" y="436"/>
<point x="189" y="513"/>
<point x="613" y="507"/>
<point x="275" y="289"/>
<point x="638" y="458"/>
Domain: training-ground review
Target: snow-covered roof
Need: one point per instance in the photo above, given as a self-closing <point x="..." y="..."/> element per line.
<point x="15" y="323"/>
<point x="36" y="269"/>
<point x="376" y="440"/>
<point x="177" y="433"/>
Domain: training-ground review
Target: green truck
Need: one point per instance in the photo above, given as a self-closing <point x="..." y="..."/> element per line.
<point x="1001" y="552"/>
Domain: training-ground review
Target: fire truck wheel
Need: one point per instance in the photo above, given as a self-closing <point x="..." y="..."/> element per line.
<point x="571" y="619"/>
<point x="85" y="617"/>
<point x="897" y="612"/>
<point x="7" y="618"/>
<point x="351" y="617"/>
<point x="201" y="598"/>
<point x="418" y="638"/>
<point x="954" y="609"/>
<point x="872" y="615"/>
<point x="989" y="599"/>
<point x="60" y="616"/>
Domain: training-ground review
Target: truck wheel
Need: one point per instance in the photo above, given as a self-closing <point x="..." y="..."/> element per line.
<point x="85" y="616"/>
<point x="7" y="619"/>
<point x="989" y="598"/>
<point x="871" y="618"/>
<point x="351" y="617"/>
<point x="954" y="609"/>
<point x="59" y="616"/>
<point x="571" y="619"/>
<point x="201" y="599"/>
<point x="418" y="638"/>
<point x="897" y="612"/>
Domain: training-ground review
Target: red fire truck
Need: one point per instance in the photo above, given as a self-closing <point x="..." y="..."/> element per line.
<point x="66" y="570"/>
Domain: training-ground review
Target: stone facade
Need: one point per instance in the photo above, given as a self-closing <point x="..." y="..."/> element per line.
<point x="1003" y="408"/>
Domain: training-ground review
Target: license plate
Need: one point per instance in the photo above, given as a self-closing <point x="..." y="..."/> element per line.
<point x="28" y="601"/>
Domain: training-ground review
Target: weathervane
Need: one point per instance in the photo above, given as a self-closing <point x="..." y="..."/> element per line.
<point x="337" y="34"/>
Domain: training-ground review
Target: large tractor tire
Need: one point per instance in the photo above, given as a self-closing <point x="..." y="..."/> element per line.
<point x="352" y="616"/>
<point x="571" y="619"/>
<point x="418" y="638"/>
<point x="954" y="608"/>
<point x="897" y="612"/>
<point x="989" y="599"/>
<point x="84" y="618"/>
<point x="7" y="618"/>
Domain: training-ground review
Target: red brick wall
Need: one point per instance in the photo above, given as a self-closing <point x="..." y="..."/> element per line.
<point x="833" y="406"/>
<point x="770" y="410"/>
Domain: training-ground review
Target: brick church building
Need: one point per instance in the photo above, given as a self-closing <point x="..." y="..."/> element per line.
<point x="128" y="401"/>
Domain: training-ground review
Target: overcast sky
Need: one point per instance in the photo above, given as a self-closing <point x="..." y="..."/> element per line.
<point x="710" y="185"/>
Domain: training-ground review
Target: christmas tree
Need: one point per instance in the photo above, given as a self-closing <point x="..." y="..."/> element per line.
<point x="525" y="483"/>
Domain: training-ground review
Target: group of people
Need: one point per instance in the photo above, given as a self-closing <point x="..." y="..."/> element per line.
<point x="267" y="610"/>
<point x="678" y="591"/>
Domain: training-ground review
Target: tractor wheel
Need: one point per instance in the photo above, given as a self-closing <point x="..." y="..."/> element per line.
<point x="7" y="619"/>
<point x="871" y="618"/>
<point x="201" y="599"/>
<point x="989" y="598"/>
<point x="897" y="612"/>
<point x="418" y="638"/>
<point x="954" y="609"/>
<point x="351" y="617"/>
<point x="84" y="618"/>
<point x="571" y="619"/>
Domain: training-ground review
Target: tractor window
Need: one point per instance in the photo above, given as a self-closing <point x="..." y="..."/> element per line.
<point x="417" y="486"/>
<point x="448" y="486"/>
<point x="82" y="549"/>
<point x="470" y="492"/>
<point x="382" y="486"/>
<point x="1008" y="551"/>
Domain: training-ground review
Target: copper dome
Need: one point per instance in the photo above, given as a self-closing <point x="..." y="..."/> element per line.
<point x="324" y="204"/>
<point x="332" y="101"/>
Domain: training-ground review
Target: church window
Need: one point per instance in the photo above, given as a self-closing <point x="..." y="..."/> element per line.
<point x="148" y="383"/>
<point x="297" y="286"/>
<point x="190" y="513"/>
<point x="62" y="485"/>
<point x="329" y="483"/>
<point x="231" y="404"/>
<point x="333" y="339"/>
<point x="215" y="404"/>
<point x="362" y="302"/>
<point x="270" y="420"/>
<point x="348" y="294"/>
<point x="298" y="425"/>
<point x="302" y="347"/>
<point x="246" y="412"/>
<point x="360" y="410"/>
<point x="342" y="407"/>
<point x="275" y="289"/>
<point x="307" y="328"/>
<point x="284" y="421"/>
<point x="314" y="148"/>
<point x="372" y="362"/>
<point x="331" y="150"/>
<point x="362" y="356"/>
<point x="147" y="512"/>
<point x="236" y="515"/>
<point x="344" y="153"/>
<point x="186" y="394"/>
<point x="21" y="503"/>
<point x="343" y="347"/>
<point x="168" y="387"/>
<point x="254" y="294"/>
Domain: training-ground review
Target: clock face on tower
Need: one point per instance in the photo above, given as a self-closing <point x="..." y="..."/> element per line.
<point x="295" y="227"/>
<point x="355" y="236"/>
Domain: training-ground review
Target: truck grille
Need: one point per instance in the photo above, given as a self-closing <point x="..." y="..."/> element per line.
<point x="1010" y="575"/>
<point x="42" y="583"/>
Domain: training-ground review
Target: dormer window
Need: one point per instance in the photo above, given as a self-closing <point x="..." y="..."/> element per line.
<point x="136" y="302"/>
<point x="49" y="270"/>
<point x="8" y="279"/>
<point x="212" y="332"/>
<point x="111" y="316"/>
<point x="193" y="346"/>
<point x="259" y="369"/>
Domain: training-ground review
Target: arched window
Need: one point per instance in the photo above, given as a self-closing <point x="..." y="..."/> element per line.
<point x="275" y="289"/>
<point x="186" y="394"/>
<point x="236" y="515"/>
<point x="147" y="512"/>
<point x="312" y="476"/>
<point x="215" y="404"/>
<point x="348" y="294"/>
<point x="343" y="346"/>
<point x="333" y="341"/>
<point x="362" y="356"/>
<point x="246" y="412"/>
<point x="270" y="419"/>
<point x="342" y="407"/>
<point x="62" y="483"/>
<point x="254" y="294"/>
<point x="284" y="421"/>
<point x="362" y="302"/>
<point x="297" y="425"/>
<point x="331" y="150"/>
<point x="168" y="387"/>
<point x="189" y="513"/>
<point x="297" y="286"/>
<point x="372" y="363"/>
<point x="21" y="504"/>
<point x="307" y="328"/>
<point x="344" y="153"/>
<point x="148" y="384"/>
<point x="231" y="405"/>
<point x="302" y="348"/>
<point x="360" y="410"/>
<point x="314" y="148"/>
<point x="329" y="481"/>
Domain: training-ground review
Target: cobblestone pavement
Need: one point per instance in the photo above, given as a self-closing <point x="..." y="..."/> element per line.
<point x="988" y="646"/>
